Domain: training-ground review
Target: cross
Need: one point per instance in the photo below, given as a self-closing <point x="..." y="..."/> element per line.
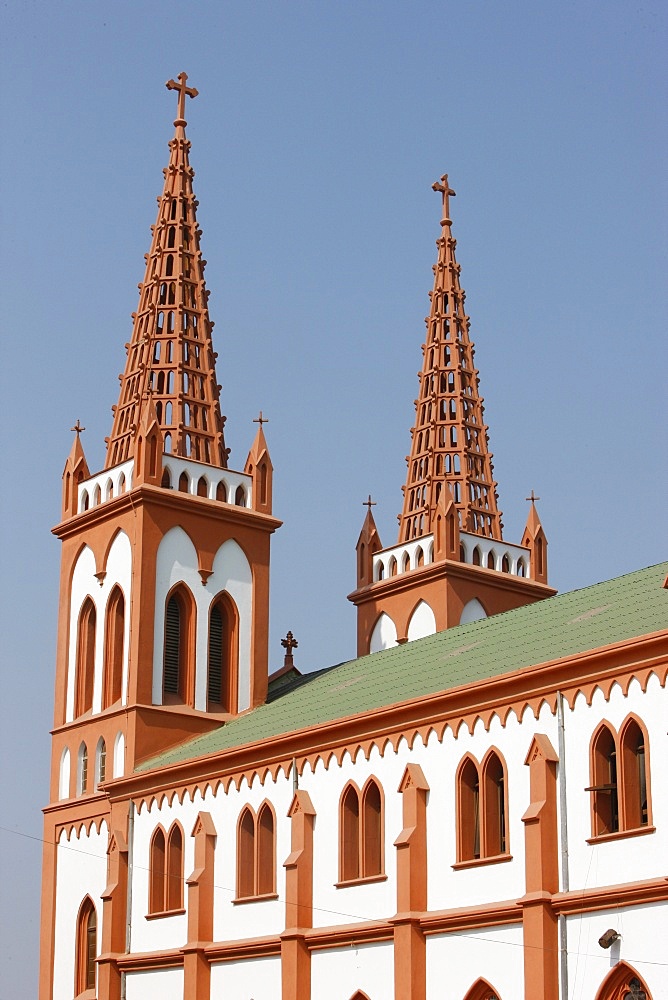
<point x="183" y="90"/>
<point x="533" y="497"/>
<point x="446" y="191"/>
<point x="288" y="644"/>
<point x="369" y="503"/>
<point x="78" y="428"/>
<point x="262" y="420"/>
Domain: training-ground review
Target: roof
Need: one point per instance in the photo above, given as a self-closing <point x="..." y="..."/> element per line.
<point x="558" y="627"/>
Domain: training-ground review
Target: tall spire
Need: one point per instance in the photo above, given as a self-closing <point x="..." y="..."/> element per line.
<point x="170" y="357"/>
<point x="449" y="439"/>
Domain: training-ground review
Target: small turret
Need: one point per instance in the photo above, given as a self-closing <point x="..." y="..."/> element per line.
<point x="258" y="465"/>
<point x="74" y="473"/>
<point x="535" y="541"/>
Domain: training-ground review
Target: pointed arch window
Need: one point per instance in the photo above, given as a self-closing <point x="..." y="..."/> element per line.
<point x="166" y="870"/>
<point x="256" y="853"/>
<point x="86" y="947"/>
<point x="223" y="655"/>
<point x="178" y="678"/>
<point x="361" y="833"/>
<point x="620" y="779"/>
<point x="100" y="763"/>
<point x="481" y="990"/>
<point x="482" y="812"/>
<point x="623" y="983"/>
<point x="114" y="635"/>
<point x="85" y="663"/>
<point x="82" y="770"/>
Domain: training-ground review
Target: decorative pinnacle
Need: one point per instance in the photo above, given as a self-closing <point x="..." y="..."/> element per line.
<point x="77" y="428"/>
<point x="288" y="644"/>
<point x="369" y="503"/>
<point x="183" y="90"/>
<point x="446" y="191"/>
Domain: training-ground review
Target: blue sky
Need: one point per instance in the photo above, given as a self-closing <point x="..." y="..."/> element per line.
<point x="317" y="134"/>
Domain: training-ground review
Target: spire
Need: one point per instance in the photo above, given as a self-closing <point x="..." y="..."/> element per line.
<point x="170" y="358"/>
<point x="74" y="473"/>
<point x="449" y="440"/>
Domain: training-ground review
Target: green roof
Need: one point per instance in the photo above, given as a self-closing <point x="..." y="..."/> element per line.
<point x="558" y="627"/>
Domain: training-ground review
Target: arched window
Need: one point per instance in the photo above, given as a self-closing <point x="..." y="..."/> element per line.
<point x="223" y="655"/>
<point x="623" y="983"/>
<point x="114" y="634"/>
<point x="494" y="805"/>
<point x="221" y="492"/>
<point x="605" y="802"/>
<point x="166" y="870"/>
<point x="256" y="853"/>
<point x="240" y="497"/>
<point x="468" y="811"/>
<point x="481" y="990"/>
<point x="100" y="763"/>
<point x="82" y="770"/>
<point x="361" y="832"/>
<point x="202" y="487"/>
<point x="86" y="947"/>
<point x="178" y="678"/>
<point x="476" y="556"/>
<point x="85" y="668"/>
<point x="64" y="775"/>
<point x="184" y="484"/>
<point x="635" y="776"/>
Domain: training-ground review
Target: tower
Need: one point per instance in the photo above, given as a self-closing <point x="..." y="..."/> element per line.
<point x="165" y="558"/>
<point x="450" y="564"/>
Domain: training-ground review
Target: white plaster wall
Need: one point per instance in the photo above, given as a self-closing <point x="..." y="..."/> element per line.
<point x="254" y="919"/>
<point x="259" y="979"/>
<point x="64" y="776"/>
<point x="422" y="622"/>
<point x="337" y="973"/>
<point x="177" y="562"/>
<point x="119" y="756"/>
<point x="623" y="859"/>
<point x="373" y="900"/>
<point x="84" y="584"/>
<point x="81" y="870"/>
<point x="158" y="933"/>
<point x="384" y="634"/>
<point x="456" y="961"/>
<point x="642" y="946"/>
<point x="156" y="984"/>
<point x="472" y="612"/>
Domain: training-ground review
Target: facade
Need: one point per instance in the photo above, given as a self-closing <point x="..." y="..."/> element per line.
<point x="475" y="807"/>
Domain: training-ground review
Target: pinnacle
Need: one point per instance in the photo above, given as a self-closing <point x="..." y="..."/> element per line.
<point x="170" y="354"/>
<point x="449" y="442"/>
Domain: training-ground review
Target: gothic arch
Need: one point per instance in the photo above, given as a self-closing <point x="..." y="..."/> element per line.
<point x="482" y="990"/>
<point x="222" y="654"/>
<point x="383" y="634"/>
<point x="623" y="983"/>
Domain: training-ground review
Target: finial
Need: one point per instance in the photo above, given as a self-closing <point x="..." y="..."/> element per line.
<point x="288" y="644"/>
<point x="533" y="497"/>
<point x="446" y="191"/>
<point x="262" y="420"/>
<point x="77" y="428"/>
<point x="369" y="503"/>
<point x="183" y="90"/>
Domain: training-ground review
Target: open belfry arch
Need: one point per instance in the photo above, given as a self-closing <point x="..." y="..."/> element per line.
<point x="450" y="564"/>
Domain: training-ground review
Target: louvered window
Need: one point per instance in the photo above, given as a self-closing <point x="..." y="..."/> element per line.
<point x="173" y="627"/>
<point x="215" y="684"/>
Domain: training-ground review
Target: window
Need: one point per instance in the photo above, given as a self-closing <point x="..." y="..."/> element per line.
<point x="86" y="947"/>
<point x="481" y="990"/>
<point x="482" y="821"/>
<point x="361" y="840"/>
<point x="623" y="983"/>
<point x="166" y="871"/>
<point x="619" y="779"/>
<point x="222" y="655"/>
<point x="85" y="665"/>
<point x="256" y="853"/>
<point x="100" y="763"/>
<point x="114" y="634"/>
<point x="178" y="680"/>
<point x="82" y="770"/>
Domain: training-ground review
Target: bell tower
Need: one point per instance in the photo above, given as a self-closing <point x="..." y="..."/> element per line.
<point x="450" y="564"/>
<point x="164" y="594"/>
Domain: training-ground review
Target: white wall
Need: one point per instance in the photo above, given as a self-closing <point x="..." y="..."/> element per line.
<point x="156" y="984"/>
<point x="336" y="974"/>
<point x="259" y="979"/>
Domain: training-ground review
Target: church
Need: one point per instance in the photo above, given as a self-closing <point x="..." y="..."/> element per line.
<point x="476" y="807"/>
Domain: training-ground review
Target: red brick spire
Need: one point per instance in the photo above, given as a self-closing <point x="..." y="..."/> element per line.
<point x="170" y="356"/>
<point x="449" y="439"/>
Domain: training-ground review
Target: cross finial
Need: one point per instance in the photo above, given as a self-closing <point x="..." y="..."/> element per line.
<point x="288" y="644"/>
<point x="77" y="428"/>
<point x="533" y="497"/>
<point x="183" y="90"/>
<point x="446" y="191"/>
<point x="262" y="420"/>
<point x="369" y="503"/>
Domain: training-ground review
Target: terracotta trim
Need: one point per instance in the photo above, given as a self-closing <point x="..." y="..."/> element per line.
<point x="171" y="958"/>
<point x="348" y="934"/>
<point x="404" y="720"/>
<point x="496" y="859"/>
<point x="366" y="880"/>
<point x="232" y="951"/>
<point x="159" y="914"/>
<point x="242" y="900"/>
<point x="469" y="917"/>
<point x="638" y="831"/>
<point x="612" y="896"/>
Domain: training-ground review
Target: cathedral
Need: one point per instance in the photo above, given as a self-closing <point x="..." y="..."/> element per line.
<point x="475" y="808"/>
